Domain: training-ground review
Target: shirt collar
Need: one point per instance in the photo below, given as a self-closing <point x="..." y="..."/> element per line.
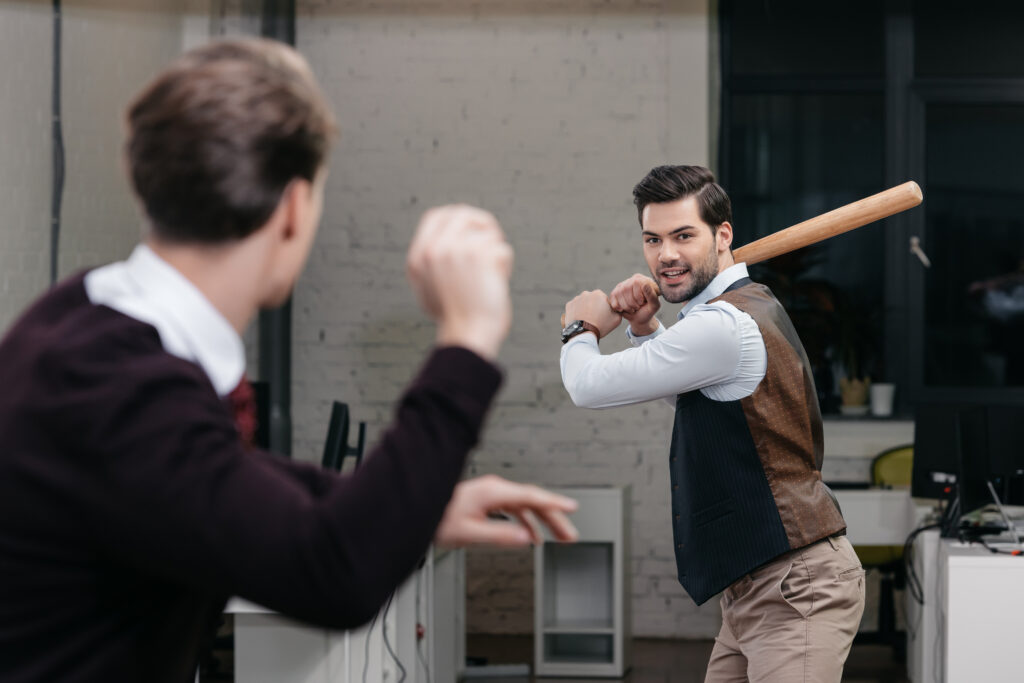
<point x="149" y="289"/>
<point x="716" y="287"/>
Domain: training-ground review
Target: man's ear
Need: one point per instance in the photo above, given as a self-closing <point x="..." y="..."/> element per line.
<point x="295" y="202"/>
<point x="724" y="236"/>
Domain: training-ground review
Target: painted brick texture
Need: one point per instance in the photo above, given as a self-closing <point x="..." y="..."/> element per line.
<point x="546" y="113"/>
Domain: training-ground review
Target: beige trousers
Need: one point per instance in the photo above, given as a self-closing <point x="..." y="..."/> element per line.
<point x="791" y="620"/>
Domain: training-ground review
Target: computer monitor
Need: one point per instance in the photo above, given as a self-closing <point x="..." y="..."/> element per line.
<point x="974" y="469"/>
<point x="935" y="450"/>
<point x="261" y="395"/>
<point x="1006" y="451"/>
<point x="336" y="447"/>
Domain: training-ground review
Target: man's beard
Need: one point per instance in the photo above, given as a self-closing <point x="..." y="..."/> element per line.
<point x="701" y="276"/>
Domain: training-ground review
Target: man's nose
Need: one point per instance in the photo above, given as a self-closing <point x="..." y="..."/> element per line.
<point x="669" y="252"/>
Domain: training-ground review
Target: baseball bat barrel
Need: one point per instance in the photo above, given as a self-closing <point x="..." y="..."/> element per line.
<point x="849" y="217"/>
<point x="835" y="222"/>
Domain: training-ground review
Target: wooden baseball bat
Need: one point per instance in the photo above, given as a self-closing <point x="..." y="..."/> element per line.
<point x="849" y="217"/>
<point x="835" y="222"/>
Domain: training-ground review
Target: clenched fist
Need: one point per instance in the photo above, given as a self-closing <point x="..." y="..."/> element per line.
<point x="592" y="307"/>
<point x="459" y="265"/>
<point x="638" y="300"/>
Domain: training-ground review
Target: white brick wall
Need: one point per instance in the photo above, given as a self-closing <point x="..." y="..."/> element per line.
<point x="547" y="113"/>
<point x="110" y="49"/>
<point x="25" y="156"/>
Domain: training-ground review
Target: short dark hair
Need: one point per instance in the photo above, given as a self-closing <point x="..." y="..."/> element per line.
<point x="670" y="183"/>
<point x="214" y="139"/>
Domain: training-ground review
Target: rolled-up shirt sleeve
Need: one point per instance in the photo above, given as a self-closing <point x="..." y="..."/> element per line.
<point x="716" y="347"/>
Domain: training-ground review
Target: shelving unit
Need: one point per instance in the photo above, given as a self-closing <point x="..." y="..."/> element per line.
<point x="582" y="613"/>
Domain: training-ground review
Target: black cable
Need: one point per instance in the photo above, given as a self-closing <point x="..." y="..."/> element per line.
<point x="57" y="195"/>
<point x="913" y="581"/>
<point x="1017" y="552"/>
<point x="366" y="645"/>
<point x="387" y="645"/>
<point x="419" y="642"/>
<point x="423" y="661"/>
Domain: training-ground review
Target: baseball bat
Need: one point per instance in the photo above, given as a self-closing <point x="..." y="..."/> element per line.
<point x="813" y="230"/>
<point x="835" y="222"/>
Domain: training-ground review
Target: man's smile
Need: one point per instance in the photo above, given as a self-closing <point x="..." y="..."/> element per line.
<point x="673" y="276"/>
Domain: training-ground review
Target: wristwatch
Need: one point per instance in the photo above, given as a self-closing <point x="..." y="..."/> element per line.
<point x="577" y="327"/>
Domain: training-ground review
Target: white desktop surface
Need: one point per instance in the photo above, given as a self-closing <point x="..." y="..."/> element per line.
<point x="238" y="605"/>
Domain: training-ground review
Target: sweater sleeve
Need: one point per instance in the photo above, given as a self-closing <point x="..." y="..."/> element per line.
<point x="179" y="497"/>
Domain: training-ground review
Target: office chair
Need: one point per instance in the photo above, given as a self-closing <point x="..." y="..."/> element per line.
<point x="890" y="468"/>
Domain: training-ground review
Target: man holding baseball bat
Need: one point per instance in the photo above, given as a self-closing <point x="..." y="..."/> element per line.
<point x="751" y="517"/>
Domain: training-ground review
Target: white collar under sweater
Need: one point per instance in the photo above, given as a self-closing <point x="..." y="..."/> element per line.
<point x="149" y="289"/>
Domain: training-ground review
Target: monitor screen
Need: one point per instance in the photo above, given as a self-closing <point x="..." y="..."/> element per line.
<point x="336" y="446"/>
<point x="935" y="449"/>
<point x="261" y="394"/>
<point x="1006" y="451"/>
<point x="973" y="468"/>
<point x="1006" y="439"/>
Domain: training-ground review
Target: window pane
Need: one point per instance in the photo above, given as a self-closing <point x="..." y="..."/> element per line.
<point x="806" y="37"/>
<point x="974" y="236"/>
<point x="982" y="39"/>
<point x="792" y="157"/>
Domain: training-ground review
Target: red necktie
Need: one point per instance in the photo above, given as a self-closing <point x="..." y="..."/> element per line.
<point x="242" y="401"/>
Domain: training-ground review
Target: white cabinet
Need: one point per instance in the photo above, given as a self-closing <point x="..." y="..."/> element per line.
<point x="581" y="600"/>
<point x="272" y="649"/>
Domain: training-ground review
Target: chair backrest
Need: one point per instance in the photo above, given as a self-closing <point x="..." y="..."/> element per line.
<point x="893" y="467"/>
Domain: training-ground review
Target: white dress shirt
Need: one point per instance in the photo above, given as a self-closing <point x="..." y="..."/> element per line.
<point x="713" y="347"/>
<point x="149" y="289"/>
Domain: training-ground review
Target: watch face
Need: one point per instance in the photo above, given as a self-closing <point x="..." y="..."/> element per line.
<point x="571" y="329"/>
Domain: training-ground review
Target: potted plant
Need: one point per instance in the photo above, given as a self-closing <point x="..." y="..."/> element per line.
<point x="855" y="353"/>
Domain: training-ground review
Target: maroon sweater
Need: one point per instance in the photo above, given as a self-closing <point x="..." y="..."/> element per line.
<point x="129" y="510"/>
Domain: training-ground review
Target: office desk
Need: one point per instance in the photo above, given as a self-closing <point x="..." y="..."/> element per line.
<point x="969" y="627"/>
<point x="981" y="600"/>
<point x="272" y="649"/>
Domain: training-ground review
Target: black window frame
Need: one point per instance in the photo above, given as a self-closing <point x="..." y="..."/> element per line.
<point x="906" y="98"/>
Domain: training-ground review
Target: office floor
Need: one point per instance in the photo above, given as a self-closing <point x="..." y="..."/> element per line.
<point x="678" y="661"/>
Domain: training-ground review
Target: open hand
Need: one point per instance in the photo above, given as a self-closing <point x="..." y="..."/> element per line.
<point x="470" y="519"/>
